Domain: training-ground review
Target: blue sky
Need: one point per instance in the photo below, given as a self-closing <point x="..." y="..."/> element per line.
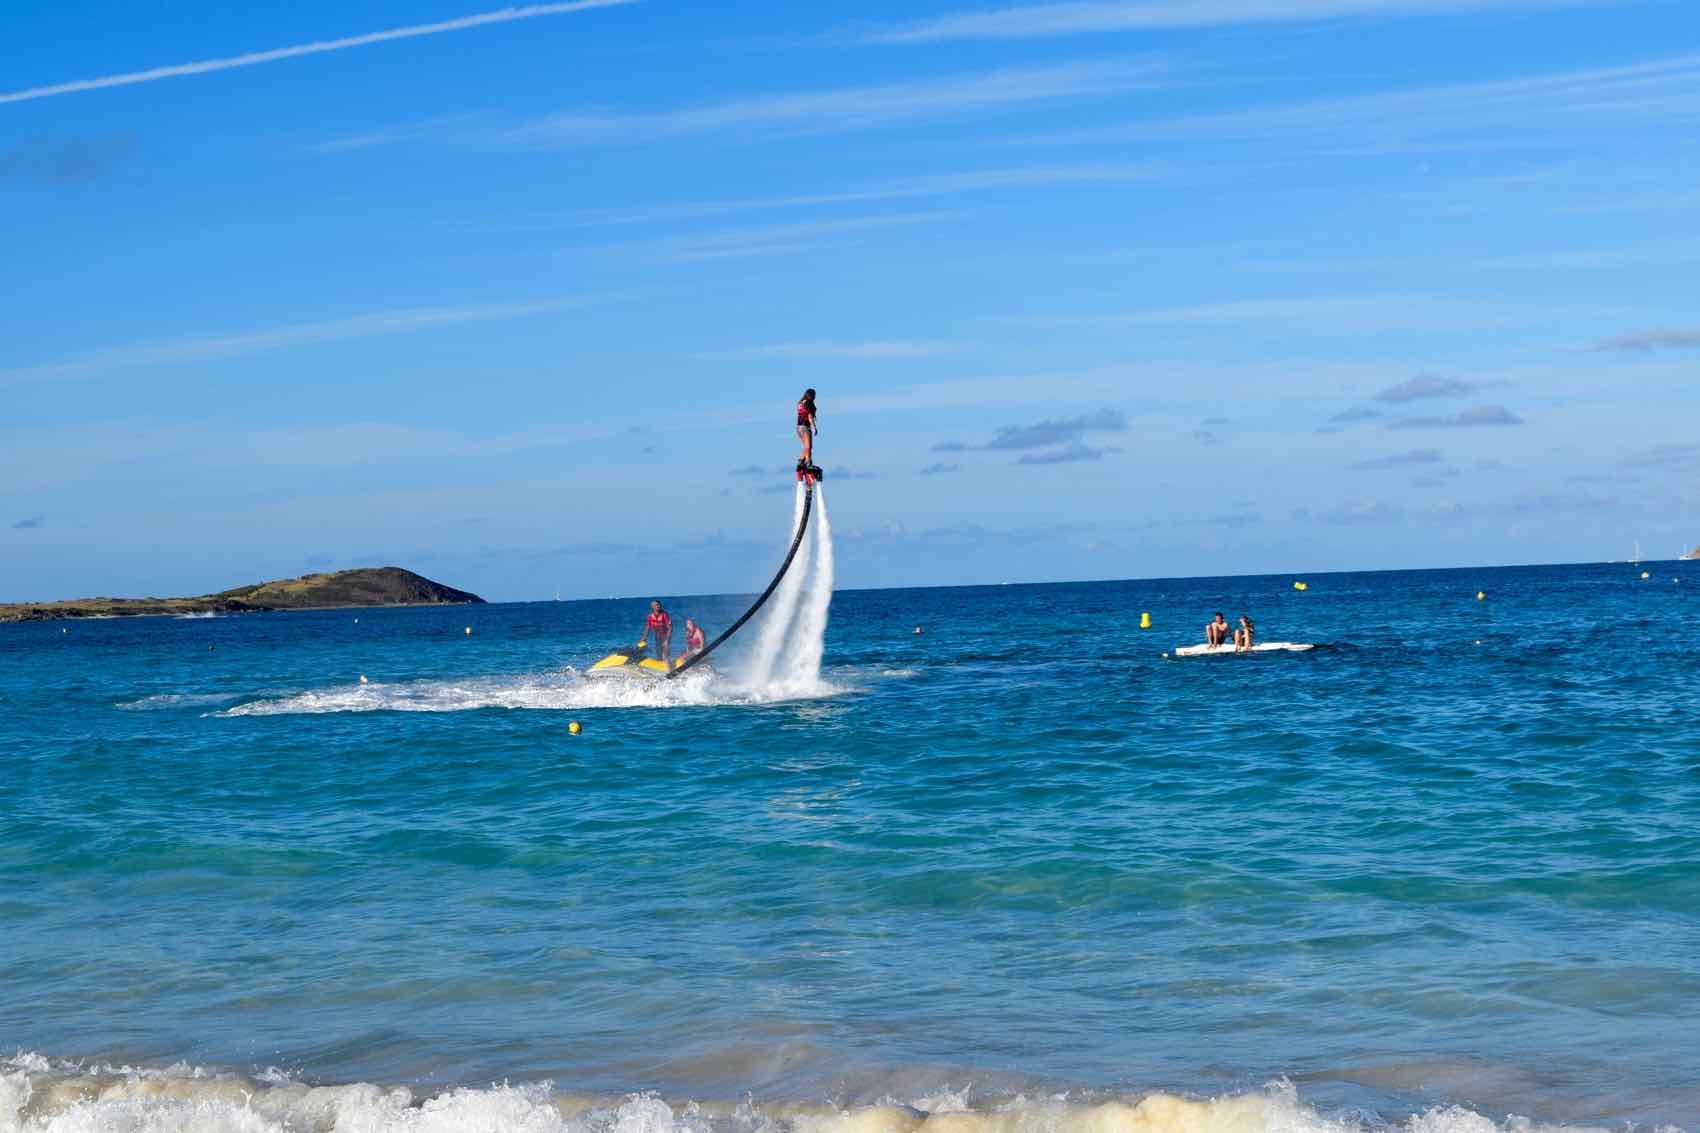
<point x="523" y="298"/>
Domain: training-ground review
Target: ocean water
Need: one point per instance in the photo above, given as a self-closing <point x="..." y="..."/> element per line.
<point x="1020" y="873"/>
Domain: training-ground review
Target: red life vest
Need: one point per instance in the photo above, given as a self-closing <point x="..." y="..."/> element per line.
<point x="660" y="622"/>
<point x="805" y="412"/>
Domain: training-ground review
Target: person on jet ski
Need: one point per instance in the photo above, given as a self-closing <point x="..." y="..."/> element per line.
<point x="693" y="638"/>
<point x="660" y="628"/>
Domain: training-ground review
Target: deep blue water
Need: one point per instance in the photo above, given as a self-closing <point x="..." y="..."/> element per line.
<point x="1451" y="858"/>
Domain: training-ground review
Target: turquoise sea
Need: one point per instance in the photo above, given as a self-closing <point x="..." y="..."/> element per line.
<point x="1019" y="873"/>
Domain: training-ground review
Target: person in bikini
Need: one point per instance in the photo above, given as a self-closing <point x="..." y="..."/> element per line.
<point x="693" y="638"/>
<point x="1216" y="632"/>
<point x="659" y="628"/>
<point x="806" y="430"/>
<point x="1245" y="637"/>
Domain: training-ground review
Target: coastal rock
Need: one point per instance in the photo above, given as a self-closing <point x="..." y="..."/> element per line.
<point x="369" y="586"/>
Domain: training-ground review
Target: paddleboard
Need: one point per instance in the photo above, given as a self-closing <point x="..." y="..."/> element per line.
<point x="1229" y="650"/>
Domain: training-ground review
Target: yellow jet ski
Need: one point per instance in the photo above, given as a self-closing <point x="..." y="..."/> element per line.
<point x="635" y="660"/>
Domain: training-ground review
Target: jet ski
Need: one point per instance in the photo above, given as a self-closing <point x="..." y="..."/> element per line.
<point x="634" y="659"/>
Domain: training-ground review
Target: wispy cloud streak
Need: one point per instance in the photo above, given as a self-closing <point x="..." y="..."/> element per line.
<point x="832" y="111"/>
<point x="276" y="55"/>
<point x="896" y="350"/>
<point x="1040" y="21"/>
<point x="935" y="185"/>
<point x="1655" y="92"/>
<point x="1427" y="386"/>
<point x="775" y="239"/>
<point x="1649" y="340"/>
<point x="1488" y="415"/>
<point x="1417" y="456"/>
<point x="185" y="351"/>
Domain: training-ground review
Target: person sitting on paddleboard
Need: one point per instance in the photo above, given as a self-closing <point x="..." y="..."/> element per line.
<point x="1216" y="632"/>
<point x="693" y="638"/>
<point x="806" y="429"/>
<point x="660" y="627"/>
<point x="1246" y="636"/>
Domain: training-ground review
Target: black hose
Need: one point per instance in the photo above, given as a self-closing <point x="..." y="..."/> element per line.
<point x="797" y="541"/>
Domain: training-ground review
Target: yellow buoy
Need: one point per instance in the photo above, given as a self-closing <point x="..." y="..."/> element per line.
<point x="1144" y="621"/>
<point x="469" y="631"/>
<point x="1646" y="574"/>
<point x="574" y="728"/>
<point x="362" y="678"/>
<point x="1481" y="595"/>
<point x="917" y="629"/>
<point x="1301" y="586"/>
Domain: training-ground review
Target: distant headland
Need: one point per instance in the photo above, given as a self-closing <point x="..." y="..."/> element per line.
<point x="371" y="586"/>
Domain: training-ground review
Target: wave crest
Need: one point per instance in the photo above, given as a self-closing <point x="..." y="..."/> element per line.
<point x="40" y="1096"/>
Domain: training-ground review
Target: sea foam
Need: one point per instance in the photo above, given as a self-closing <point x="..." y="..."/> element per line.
<point x="41" y="1096"/>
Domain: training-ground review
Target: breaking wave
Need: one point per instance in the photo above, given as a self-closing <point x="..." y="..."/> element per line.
<point x="42" y="1096"/>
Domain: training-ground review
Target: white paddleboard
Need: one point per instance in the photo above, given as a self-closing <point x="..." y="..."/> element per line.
<point x="1228" y="649"/>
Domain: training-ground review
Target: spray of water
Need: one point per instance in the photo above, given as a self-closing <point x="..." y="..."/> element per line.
<point x="775" y="625"/>
<point x="800" y="668"/>
<point x="785" y="665"/>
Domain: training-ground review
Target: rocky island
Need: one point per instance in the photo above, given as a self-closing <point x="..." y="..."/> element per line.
<point x="371" y="586"/>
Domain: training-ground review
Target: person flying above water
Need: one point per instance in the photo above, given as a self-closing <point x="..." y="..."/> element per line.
<point x="806" y="430"/>
<point x="660" y="627"/>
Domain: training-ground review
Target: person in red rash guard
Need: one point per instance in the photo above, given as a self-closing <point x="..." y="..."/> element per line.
<point x="659" y="629"/>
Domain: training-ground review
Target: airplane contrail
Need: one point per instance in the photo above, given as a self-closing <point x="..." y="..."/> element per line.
<point x="504" y="15"/>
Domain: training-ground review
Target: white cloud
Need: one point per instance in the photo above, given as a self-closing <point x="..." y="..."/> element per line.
<point x="1035" y="21"/>
<point x="1656" y="92"/>
<point x="253" y="59"/>
<point x="186" y="351"/>
<point x="832" y="111"/>
<point x="775" y="239"/>
<point x="936" y="185"/>
<point x="1347" y="313"/>
<point x="891" y="350"/>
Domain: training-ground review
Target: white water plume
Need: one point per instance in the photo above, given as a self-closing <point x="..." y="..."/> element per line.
<point x="800" y="668"/>
<point x="775" y="626"/>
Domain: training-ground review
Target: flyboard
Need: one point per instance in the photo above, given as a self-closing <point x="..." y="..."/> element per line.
<point x="635" y="661"/>
<point x="1228" y="650"/>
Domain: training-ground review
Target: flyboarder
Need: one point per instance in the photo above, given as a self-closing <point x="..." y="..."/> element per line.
<point x="806" y="430"/>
